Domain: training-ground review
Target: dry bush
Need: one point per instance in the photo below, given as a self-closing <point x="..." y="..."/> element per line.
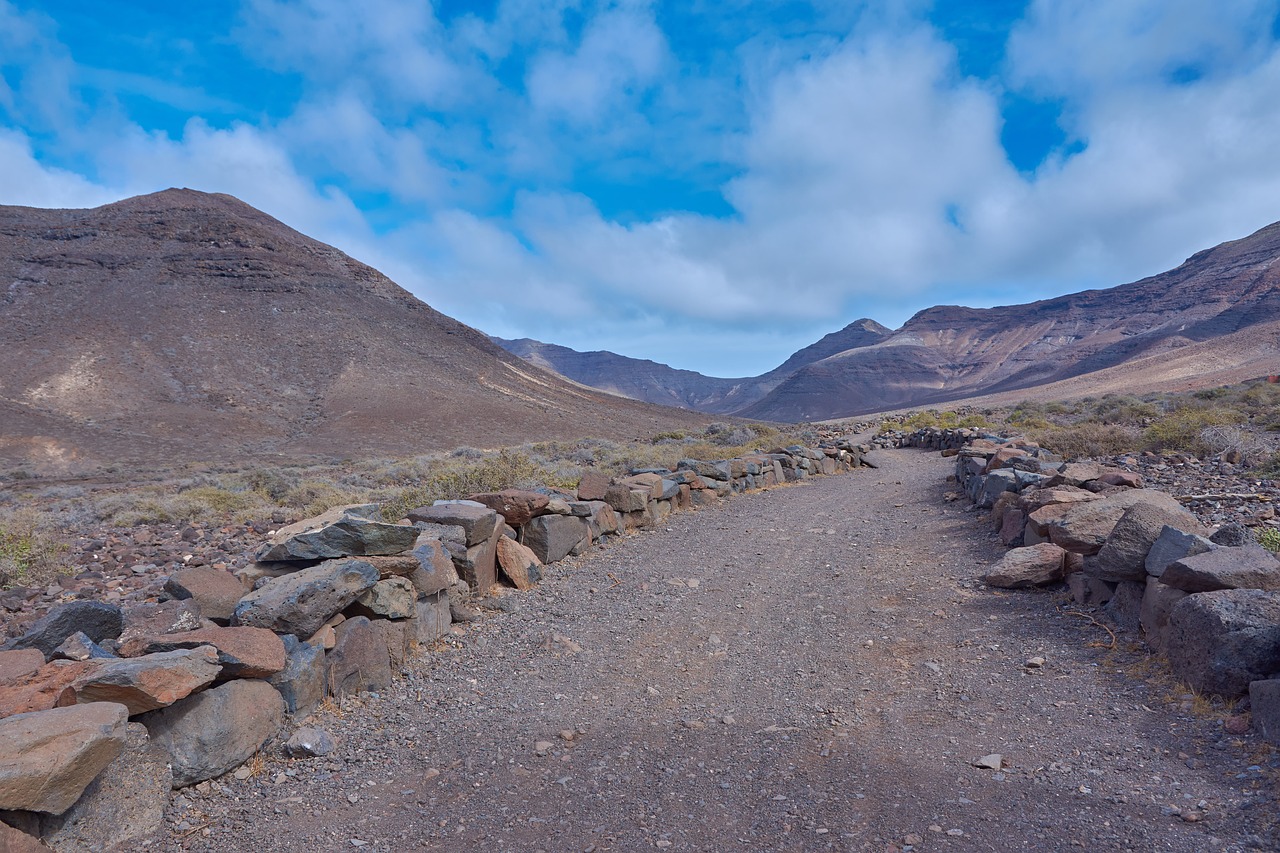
<point x="1086" y="439"/>
<point x="1181" y="429"/>
<point x="31" y="548"/>
<point x="1253" y="449"/>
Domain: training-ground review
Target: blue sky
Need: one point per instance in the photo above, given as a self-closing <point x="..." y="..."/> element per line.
<point x="710" y="185"/>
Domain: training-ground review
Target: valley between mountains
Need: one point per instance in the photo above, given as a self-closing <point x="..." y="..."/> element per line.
<point x="814" y="667"/>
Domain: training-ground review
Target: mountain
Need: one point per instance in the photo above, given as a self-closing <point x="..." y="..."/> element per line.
<point x="641" y="379"/>
<point x="1215" y="318"/>
<point x="185" y="327"/>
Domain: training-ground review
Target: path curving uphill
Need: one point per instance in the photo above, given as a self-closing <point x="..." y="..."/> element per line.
<point x="812" y="668"/>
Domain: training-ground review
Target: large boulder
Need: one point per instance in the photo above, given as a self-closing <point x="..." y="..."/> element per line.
<point x="242" y="652"/>
<point x="478" y="565"/>
<point x="520" y="564"/>
<point x="96" y="619"/>
<point x="1172" y="545"/>
<point x="302" y="682"/>
<point x="1247" y="567"/>
<point x="476" y="520"/>
<point x="1158" y="602"/>
<point x="359" y="660"/>
<point x="1033" y="565"/>
<point x="48" y="758"/>
<point x="1083" y="527"/>
<point x="1218" y="642"/>
<point x="216" y="591"/>
<point x="1123" y="557"/>
<point x="217" y="730"/>
<point x="345" y="531"/>
<point x="552" y="537"/>
<point x="152" y="681"/>
<point x="123" y="808"/>
<point x="299" y="603"/>
<point x="515" y="505"/>
<point x="624" y="498"/>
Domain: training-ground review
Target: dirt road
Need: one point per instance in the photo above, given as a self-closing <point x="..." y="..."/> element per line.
<point x="812" y="668"/>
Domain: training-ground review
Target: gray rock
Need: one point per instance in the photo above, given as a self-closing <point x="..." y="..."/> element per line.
<point x="1233" y="535"/>
<point x="624" y="498"/>
<point x="553" y="537"/>
<point x="1171" y="545"/>
<point x="301" y="602"/>
<point x="400" y="636"/>
<point x="1264" y="701"/>
<point x="705" y="470"/>
<point x="309" y="742"/>
<point x="1123" y="557"/>
<point x="1218" y="642"/>
<point x="392" y="598"/>
<point x="995" y="484"/>
<point x="1083" y="527"/>
<point x="302" y="682"/>
<point x="360" y="660"/>
<point x="476" y="520"/>
<point x="434" y="617"/>
<point x="123" y="807"/>
<point x="1033" y="565"/>
<point x="1089" y="591"/>
<point x="1157" y="603"/>
<point x="339" y="532"/>
<point x="207" y="734"/>
<point x="50" y="757"/>
<point x="79" y="647"/>
<point x="151" y="681"/>
<point x="1247" y="567"/>
<point x="1124" y="609"/>
<point x="95" y="619"/>
<point x="215" y="591"/>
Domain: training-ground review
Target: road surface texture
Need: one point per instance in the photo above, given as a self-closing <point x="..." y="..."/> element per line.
<point x="812" y="668"/>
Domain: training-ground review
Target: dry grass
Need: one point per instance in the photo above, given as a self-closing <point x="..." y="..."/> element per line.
<point x="31" y="548"/>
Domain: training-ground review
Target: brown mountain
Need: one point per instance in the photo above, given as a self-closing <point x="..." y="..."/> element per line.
<point x="641" y="379"/>
<point x="184" y="326"/>
<point x="1216" y="318"/>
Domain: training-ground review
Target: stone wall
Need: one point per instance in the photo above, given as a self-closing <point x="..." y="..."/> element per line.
<point x="104" y="709"/>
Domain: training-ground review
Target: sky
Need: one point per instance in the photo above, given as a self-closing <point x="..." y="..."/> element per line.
<point x="709" y="185"/>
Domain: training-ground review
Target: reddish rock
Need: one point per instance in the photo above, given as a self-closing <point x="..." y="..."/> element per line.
<point x="650" y="482"/>
<point x="48" y="758"/>
<point x="519" y="563"/>
<point x="17" y="664"/>
<point x="48" y="687"/>
<point x="1003" y="457"/>
<point x="516" y="506"/>
<point x="151" y="618"/>
<point x="1126" y="479"/>
<point x="625" y="499"/>
<point x="1030" y="566"/>
<point x="148" y="682"/>
<point x="216" y="591"/>
<point x="16" y="841"/>
<point x="592" y="486"/>
<point x="1012" y="522"/>
<point x="242" y="652"/>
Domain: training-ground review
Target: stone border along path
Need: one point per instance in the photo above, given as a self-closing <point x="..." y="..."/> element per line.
<point x="816" y="668"/>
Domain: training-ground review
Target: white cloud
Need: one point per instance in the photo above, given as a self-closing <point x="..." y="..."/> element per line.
<point x="30" y="183"/>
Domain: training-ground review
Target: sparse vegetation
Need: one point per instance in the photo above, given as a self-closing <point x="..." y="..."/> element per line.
<point x="1269" y="538"/>
<point x="31" y="549"/>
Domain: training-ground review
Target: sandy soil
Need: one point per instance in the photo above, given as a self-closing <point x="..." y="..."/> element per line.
<point x="815" y="668"/>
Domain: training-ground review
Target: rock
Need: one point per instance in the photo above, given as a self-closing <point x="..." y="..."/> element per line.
<point x="552" y="537"/>
<point x="360" y="660"/>
<point x="78" y="647"/>
<point x="1123" y="557"/>
<point x="400" y="637"/>
<point x="302" y="682"/>
<point x="216" y="591"/>
<point x="1172" y="545"/>
<point x="1218" y="642"/>
<point x="1247" y="567"/>
<point x="16" y="841"/>
<point x="1157" y="603"/>
<point x="1012" y="523"/>
<point x="150" y="618"/>
<point x="515" y="505"/>
<point x="392" y="598"/>
<point x="519" y="564"/>
<point x="253" y="575"/>
<point x="592" y="486"/>
<point x="994" y="485"/>
<point x="18" y="664"/>
<point x="1125" y="605"/>
<point x="1264" y="700"/>
<point x="350" y="531"/>
<point x="1084" y="527"/>
<point x="1233" y="535"/>
<point x="300" y="603"/>
<point x="1035" y="499"/>
<point x="242" y="652"/>
<point x="48" y="687"/>
<point x="428" y="566"/>
<point x="1075" y="474"/>
<point x="123" y="808"/>
<point x="994" y="761"/>
<point x="1089" y="591"/>
<point x="48" y="758"/>
<point x="309" y="742"/>
<point x="625" y="499"/>
<point x="477" y="522"/>
<point x="95" y="619"/>
<point x="1030" y="566"/>
<point x="1124" y="479"/>
<point x="217" y="730"/>
<point x="434" y="617"/>
<point x="152" y="681"/>
<point x="478" y="565"/>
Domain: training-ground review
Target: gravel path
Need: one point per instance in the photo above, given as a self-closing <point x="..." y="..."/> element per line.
<point x="815" y="668"/>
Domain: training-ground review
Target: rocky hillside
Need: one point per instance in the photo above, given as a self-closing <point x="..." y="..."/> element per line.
<point x="184" y="326"/>
<point x="653" y="382"/>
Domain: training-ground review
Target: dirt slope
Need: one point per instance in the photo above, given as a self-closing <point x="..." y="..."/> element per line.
<point x="184" y="326"/>
<point x="813" y="668"/>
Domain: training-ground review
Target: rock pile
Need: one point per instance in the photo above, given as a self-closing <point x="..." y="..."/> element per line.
<point x="106" y="706"/>
<point x="1209" y="600"/>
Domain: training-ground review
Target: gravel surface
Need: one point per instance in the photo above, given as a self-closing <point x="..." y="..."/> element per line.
<point x="815" y="668"/>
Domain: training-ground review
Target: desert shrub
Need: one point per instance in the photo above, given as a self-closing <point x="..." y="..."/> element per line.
<point x="1268" y="537"/>
<point x="313" y="496"/>
<point x="1122" y="409"/>
<point x="1078" y="441"/>
<point x="1253" y="449"/>
<point x="1181" y="429"/>
<point x="674" y="435"/>
<point x="31" y="548"/>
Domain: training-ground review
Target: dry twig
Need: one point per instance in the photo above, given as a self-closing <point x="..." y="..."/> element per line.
<point x="1096" y="622"/>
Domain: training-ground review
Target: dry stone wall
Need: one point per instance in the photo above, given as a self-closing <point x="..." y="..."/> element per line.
<point x="176" y="691"/>
<point x="1208" y="600"/>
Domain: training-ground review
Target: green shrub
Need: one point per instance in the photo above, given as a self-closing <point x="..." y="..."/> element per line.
<point x="1268" y="537"/>
<point x="1181" y="430"/>
<point x="1087" y="439"/>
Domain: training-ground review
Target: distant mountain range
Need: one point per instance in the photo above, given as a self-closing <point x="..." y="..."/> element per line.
<point x="189" y="327"/>
<point x="1214" y="319"/>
